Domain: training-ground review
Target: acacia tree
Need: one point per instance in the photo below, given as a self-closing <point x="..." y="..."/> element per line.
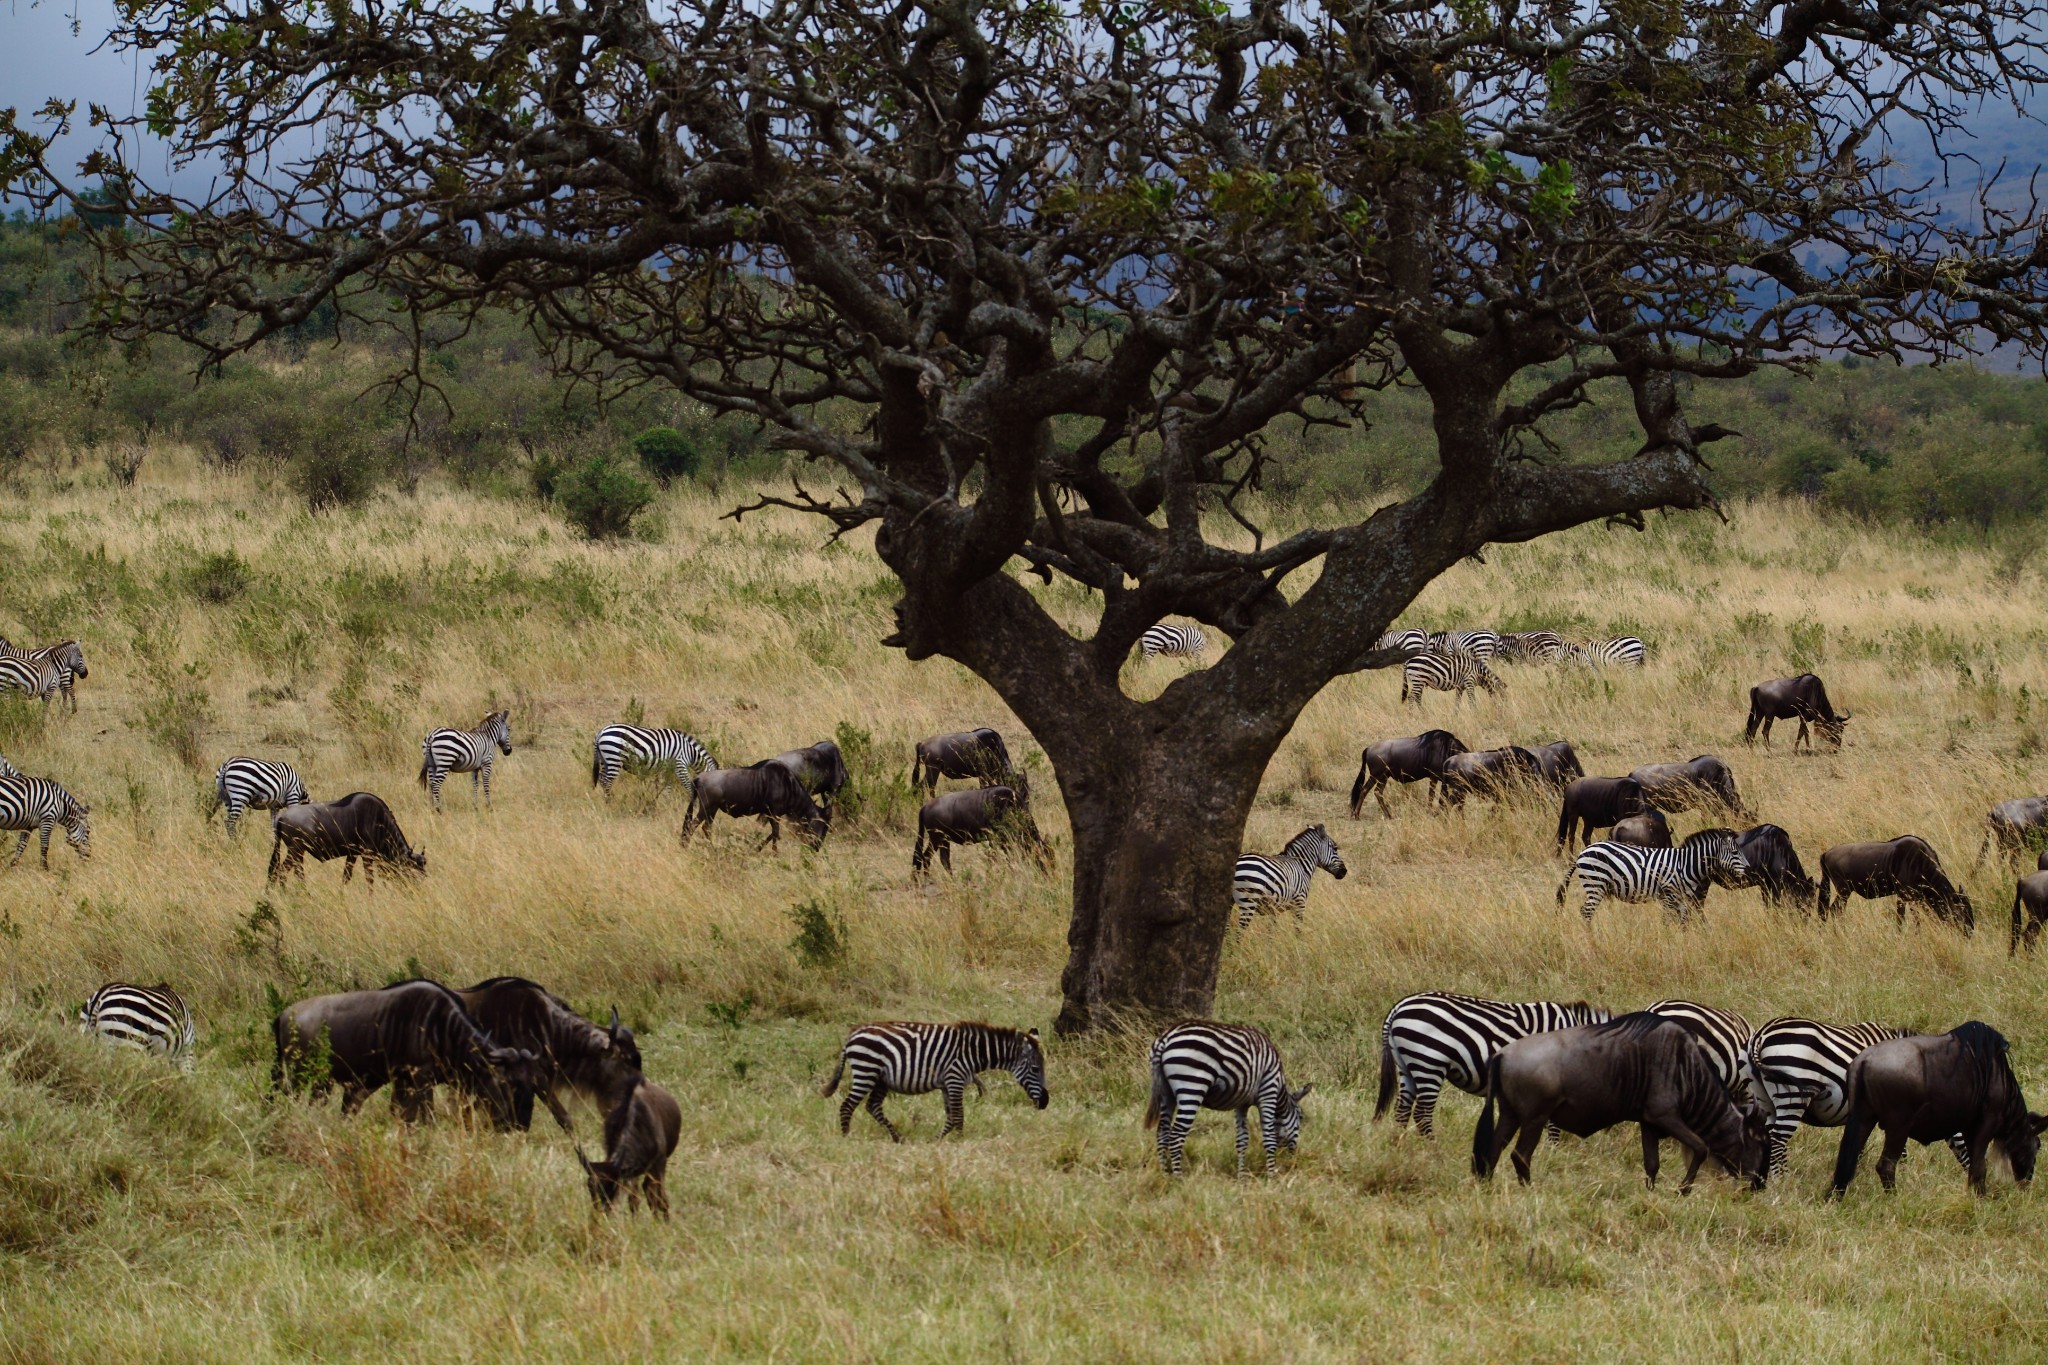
<point x="1033" y="281"/>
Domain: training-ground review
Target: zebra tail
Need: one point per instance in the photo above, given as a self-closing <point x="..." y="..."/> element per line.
<point x="837" y="1072"/>
<point x="1482" y="1136"/>
<point x="1387" y="1080"/>
<point x="220" y="796"/>
<point x="426" y="761"/>
<point x="596" y="764"/>
<point x="1161" y="1093"/>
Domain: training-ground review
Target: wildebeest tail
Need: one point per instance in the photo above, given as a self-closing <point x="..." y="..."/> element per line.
<point x="1853" y="1133"/>
<point x="1002" y="751"/>
<point x="2012" y="946"/>
<point x="1358" y="788"/>
<point x="276" y="850"/>
<point x="1161" y="1093"/>
<point x="1388" y="1078"/>
<point x="1482" y="1136"/>
<point x="837" y="1072"/>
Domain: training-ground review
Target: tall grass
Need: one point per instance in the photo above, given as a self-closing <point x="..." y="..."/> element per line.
<point x="189" y="1218"/>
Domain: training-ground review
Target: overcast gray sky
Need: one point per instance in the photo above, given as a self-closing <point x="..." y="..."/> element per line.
<point x="40" y="57"/>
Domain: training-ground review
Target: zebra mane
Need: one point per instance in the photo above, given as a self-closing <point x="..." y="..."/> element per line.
<point x="1706" y="836"/>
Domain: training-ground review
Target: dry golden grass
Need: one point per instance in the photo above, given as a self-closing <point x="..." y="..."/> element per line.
<point x="189" y="1219"/>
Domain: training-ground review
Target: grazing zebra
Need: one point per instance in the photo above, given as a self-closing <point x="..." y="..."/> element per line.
<point x="40" y="678"/>
<point x="1541" y="646"/>
<point x="1266" y="886"/>
<point x="254" y="784"/>
<point x="465" y="751"/>
<point x="29" y="804"/>
<point x="1722" y="1034"/>
<point x="65" y="656"/>
<point x="1457" y="671"/>
<point x="1201" y="1064"/>
<point x="1801" y="1067"/>
<point x="1166" y="639"/>
<point x="913" y="1059"/>
<point x="1676" y="877"/>
<point x="1480" y="644"/>
<point x="1622" y="649"/>
<point x="642" y="749"/>
<point x="1434" y="1037"/>
<point x="1411" y="641"/>
<point x="152" y="1018"/>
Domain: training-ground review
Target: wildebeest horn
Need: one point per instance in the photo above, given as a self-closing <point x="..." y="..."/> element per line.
<point x="613" y="1030"/>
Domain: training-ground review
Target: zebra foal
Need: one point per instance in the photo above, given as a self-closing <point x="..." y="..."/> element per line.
<point x="244" y="783"/>
<point x="1435" y="1036"/>
<point x="1457" y="671"/>
<point x="1266" y="886"/>
<point x="619" y="747"/>
<point x="152" y="1018"/>
<point x="1180" y="641"/>
<point x="1676" y="878"/>
<point x="916" y="1058"/>
<point x="32" y="804"/>
<point x="1201" y="1064"/>
<point x="465" y="751"/>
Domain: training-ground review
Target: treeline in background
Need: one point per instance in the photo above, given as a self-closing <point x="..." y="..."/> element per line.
<point x="1955" y="452"/>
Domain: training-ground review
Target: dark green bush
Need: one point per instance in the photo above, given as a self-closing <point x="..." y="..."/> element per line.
<point x="339" y="467"/>
<point x="220" y="578"/>
<point x="602" y="496"/>
<point x="668" y="454"/>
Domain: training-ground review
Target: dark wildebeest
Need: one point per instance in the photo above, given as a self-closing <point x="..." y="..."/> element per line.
<point x="1906" y="867"/>
<point x="820" y="769"/>
<point x="1929" y="1087"/>
<point x="2011" y="825"/>
<point x="978" y="755"/>
<point x="359" y="825"/>
<point x="999" y="813"/>
<point x="1556" y="763"/>
<point x="1774" y="866"/>
<point x="1704" y="780"/>
<point x="1640" y="1068"/>
<point x="600" y="1064"/>
<point x="640" y="1135"/>
<point x="1648" y="830"/>
<point x="414" y="1035"/>
<point x="1803" y="698"/>
<point x="766" y="789"/>
<point x="1490" y="772"/>
<point x="1418" y="758"/>
<point x="1592" y="803"/>
<point x="2029" y="898"/>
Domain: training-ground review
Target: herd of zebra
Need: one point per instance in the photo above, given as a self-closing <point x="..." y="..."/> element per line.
<point x="1457" y="661"/>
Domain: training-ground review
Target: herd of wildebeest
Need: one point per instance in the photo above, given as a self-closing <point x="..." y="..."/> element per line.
<point x="1679" y="1070"/>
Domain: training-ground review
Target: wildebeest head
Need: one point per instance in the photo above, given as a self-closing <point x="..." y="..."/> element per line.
<point x="517" y="1075"/>
<point x="412" y="860"/>
<point x="1756" y="1141"/>
<point x="602" y="1179"/>
<point x="621" y="1042"/>
<point x="1289" y="1135"/>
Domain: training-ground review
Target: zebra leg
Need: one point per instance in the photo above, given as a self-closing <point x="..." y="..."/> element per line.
<point x="1553" y="1133"/>
<point x="1594" y="894"/>
<point x="476" y="780"/>
<point x="1183" y="1123"/>
<point x="1167" y="1148"/>
<point x="1959" y="1147"/>
<point x="48" y="825"/>
<point x="1423" y="1107"/>
<point x="956" y="1116"/>
<point x="875" y="1098"/>
<point x="848" y="1105"/>
<point x="434" y="780"/>
<point x="1244" y="1137"/>
<point x="234" y="818"/>
<point x="1269" y="1130"/>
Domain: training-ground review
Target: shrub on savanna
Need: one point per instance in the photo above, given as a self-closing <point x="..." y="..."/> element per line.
<point x="668" y="454"/>
<point x="602" y="496"/>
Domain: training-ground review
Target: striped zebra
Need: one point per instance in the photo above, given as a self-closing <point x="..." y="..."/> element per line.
<point x="1537" y="646"/>
<point x="1436" y="671"/>
<point x="1201" y="1064"/>
<point x="66" y="657"/>
<point x="1188" y="641"/>
<point x="1436" y="1036"/>
<point x="914" y="1059"/>
<point x="40" y="678"/>
<point x="8" y="769"/>
<point x="244" y="783"/>
<point x="643" y="750"/>
<point x="1801" y="1067"/>
<point x="1480" y="644"/>
<point x="152" y="1018"/>
<point x="1722" y="1034"/>
<point x="1266" y="886"/>
<point x="1626" y="650"/>
<point x="1675" y="877"/>
<point x="31" y="804"/>
<point x="465" y="751"/>
<point x="1408" y="641"/>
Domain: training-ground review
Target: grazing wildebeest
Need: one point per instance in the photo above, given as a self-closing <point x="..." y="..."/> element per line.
<point x="999" y="813"/>
<point x="640" y="1135"/>
<point x="2011" y="825"/>
<point x="1928" y="1087"/>
<point x="1774" y="866"/>
<point x="1648" y="830"/>
<point x="414" y="1035"/>
<point x="1556" y="763"/>
<point x="1704" y="780"/>
<point x="1592" y="803"/>
<point x="2029" y="898"/>
<point x="1418" y="758"/>
<point x="1640" y="1068"/>
<point x="978" y="755"/>
<point x="601" y="1064"/>
<point x="1906" y="867"/>
<point x="359" y="825"/>
<point x="1490" y="772"/>
<point x="766" y="789"/>
<point x="1803" y="698"/>
<point x="820" y="769"/>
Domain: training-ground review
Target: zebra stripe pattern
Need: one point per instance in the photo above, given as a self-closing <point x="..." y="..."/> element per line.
<point x="1435" y="1036"/>
<point x="1676" y="877"/>
<point x="1626" y="650"/>
<point x="645" y="750"/>
<point x="65" y="658"/>
<point x="1540" y="646"/>
<point x="1188" y="641"/>
<point x="1480" y="644"/>
<point x="38" y="677"/>
<point x="244" y="783"/>
<point x="8" y="769"/>
<point x="1201" y="1064"/>
<point x="1436" y="671"/>
<point x="32" y="804"/>
<point x="152" y="1018"/>
<point x="1801" y="1068"/>
<point x="465" y="751"/>
<point x="1722" y="1034"/>
<point x="1266" y="886"/>
<point x="915" y="1058"/>
<point x="1410" y="641"/>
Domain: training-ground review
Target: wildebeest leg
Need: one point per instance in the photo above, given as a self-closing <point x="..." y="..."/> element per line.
<point x="774" y="835"/>
<point x="1526" y="1142"/>
<point x="1244" y="1137"/>
<point x="1678" y="1132"/>
<point x="945" y="847"/>
<point x="1894" y="1148"/>
<point x="875" y="1098"/>
<point x="352" y="1097"/>
<point x="1379" y="794"/>
<point x="1653" y="1142"/>
<point x="1802" y="737"/>
<point x="1975" y="1149"/>
<point x="657" y="1196"/>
